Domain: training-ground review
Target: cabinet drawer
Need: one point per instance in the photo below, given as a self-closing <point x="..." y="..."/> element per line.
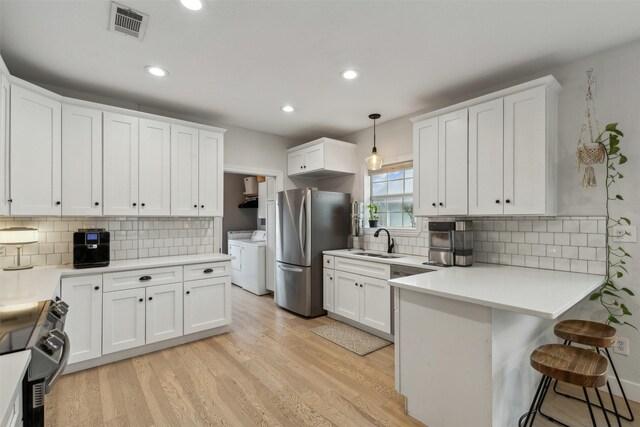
<point x="140" y="278"/>
<point x="364" y="268"/>
<point x="203" y="271"/>
<point x="328" y="261"/>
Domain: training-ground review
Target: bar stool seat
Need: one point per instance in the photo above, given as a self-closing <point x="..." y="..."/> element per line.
<point x="586" y="332"/>
<point x="573" y="365"/>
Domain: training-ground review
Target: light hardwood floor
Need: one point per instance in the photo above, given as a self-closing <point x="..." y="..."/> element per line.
<point x="268" y="370"/>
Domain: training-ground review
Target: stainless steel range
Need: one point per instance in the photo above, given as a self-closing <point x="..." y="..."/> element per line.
<point x="38" y="327"/>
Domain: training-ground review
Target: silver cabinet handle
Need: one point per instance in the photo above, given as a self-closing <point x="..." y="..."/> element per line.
<point x="295" y="270"/>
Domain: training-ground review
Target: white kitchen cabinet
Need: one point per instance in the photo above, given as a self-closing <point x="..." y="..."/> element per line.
<point x="328" y="289"/>
<point x="347" y="295"/>
<point x="184" y="171"/>
<point x="4" y="144"/>
<point x="154" y="190"/>
<point x="530" y="152"/>
<point x="210" y="173"/>
<point x="163" y="312"/>
<point x="486" y="153"/>
<point x="207" y="304"/>
<point x="123" y="320"/>
<point x="375" y="304"/>
<point x="120" y="164"/>
<point x="322" y="158"/>
<point x="35" y="165"/>
<point x="440" y="180"/>
<point x="84" y="320"/>
<point x="82" y="160"/>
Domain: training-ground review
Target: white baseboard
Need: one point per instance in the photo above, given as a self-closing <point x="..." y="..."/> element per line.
<point x="631" y="389"/>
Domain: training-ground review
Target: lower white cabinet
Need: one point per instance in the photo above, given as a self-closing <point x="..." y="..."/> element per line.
<point x="123" y="320"/>
<point x="163" y="312"/>
<point x="364" y="299"/>
<point x="328" y="289"/>
<point x="207" y="303"/>
<point x="84" y="321"/>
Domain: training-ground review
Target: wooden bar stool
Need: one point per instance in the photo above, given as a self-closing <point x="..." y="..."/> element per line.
<point x="571" y="365"/>
<point x="600" y="336"/>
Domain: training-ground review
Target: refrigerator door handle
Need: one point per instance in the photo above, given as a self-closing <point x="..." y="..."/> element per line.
<point x="295" y="270"/>
<point x="302" y="235"/>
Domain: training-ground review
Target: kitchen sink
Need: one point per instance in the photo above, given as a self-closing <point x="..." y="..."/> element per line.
<point x="374" y="255"/>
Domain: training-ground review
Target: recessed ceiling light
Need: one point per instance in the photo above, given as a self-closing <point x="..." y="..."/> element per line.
<point x="156" y="71"/>
<point x="288" y="109"/>
<point x="350" y="74"/>
<point x="192" y="4"/>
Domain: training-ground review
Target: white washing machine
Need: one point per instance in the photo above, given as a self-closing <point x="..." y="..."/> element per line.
<point x="248" y="267"/>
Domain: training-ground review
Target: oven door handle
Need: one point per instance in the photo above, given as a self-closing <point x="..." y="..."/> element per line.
<point x="64" y="358"/>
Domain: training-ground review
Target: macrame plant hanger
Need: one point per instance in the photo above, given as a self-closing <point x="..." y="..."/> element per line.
<point x="589" y="152"/>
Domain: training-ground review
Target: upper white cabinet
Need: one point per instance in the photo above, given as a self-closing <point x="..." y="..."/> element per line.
<point x="210" y="173"/>
<point x="196" y="172"/>
<point x="4" y="144"/>
<point x="154" y="162"/>
<point x="440" y="147"/>
<point x="512" y="159"/>
<point x="120" y="165"/>
<point x="322" y="158"/>
<point x="82" y="161"/>
<point x="35" y="165"/>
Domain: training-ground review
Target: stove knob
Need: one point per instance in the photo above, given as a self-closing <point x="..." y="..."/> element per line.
<point x="51" y="343"/>
<point x="56" y="333"/>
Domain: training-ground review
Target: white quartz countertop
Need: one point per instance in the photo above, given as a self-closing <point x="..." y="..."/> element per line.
<point x="12" y="368"/>
<point x="407" y="260"/>
<point x="40" y="283"/>
<point x="541" y="293"/>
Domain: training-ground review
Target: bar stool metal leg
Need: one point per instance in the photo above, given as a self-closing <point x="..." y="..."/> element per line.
<point x="604" y="411"/>
<point x="533" y="408"/>
<point x="586" y="398"/>
<point x="624" y="395"/>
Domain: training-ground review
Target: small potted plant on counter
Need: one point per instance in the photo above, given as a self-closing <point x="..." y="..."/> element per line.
<point x="373" y="215"/>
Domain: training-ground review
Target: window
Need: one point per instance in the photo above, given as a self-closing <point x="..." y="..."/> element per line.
<point x="392" y="191"/>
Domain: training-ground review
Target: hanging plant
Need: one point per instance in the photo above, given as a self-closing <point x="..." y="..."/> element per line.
<point x="610" y="295"/>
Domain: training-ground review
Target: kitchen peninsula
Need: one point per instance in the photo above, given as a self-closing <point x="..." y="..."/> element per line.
<point x="477" y="328"/>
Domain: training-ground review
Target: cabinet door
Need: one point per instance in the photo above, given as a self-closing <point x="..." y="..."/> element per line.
<point x="184" y="171"/>
<point x="425" y="167"/>
<point x="486" y="158"/>
<point x="207" y="304"/>
<point x="262" y="200"/>
<point x="155" y="168"/>
<point x="120" y="165"/>
<point x="123" y="319"/>
<point x="375" y="304"/>
<point x="84" y="320"/>
<point x="347" y="295"/>
<point x="452" y="163"/>
<point x="525" y="152"/>
<point x="270" y="252"/>
<point x="82" y="160"/>
<point x="295" y="162"/>
<point x="313" y="158"/>
<point x="328" y="290"/>
<point x="164" y="312"/>
<point x="4" y="145"/>
<point x="35" y="153"/>
<point x="211" y="174"/>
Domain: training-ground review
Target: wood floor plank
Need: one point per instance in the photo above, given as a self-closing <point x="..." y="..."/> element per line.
<point x="269" y="370"/>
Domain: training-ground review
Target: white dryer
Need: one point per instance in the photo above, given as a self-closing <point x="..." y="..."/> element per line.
<point x="248" y="267"/>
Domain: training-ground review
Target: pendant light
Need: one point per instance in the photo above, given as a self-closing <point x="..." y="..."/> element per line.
<point x="374" y="161"/>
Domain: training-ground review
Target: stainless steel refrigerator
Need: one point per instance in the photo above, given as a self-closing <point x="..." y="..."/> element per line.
<point x="307" y="223"/>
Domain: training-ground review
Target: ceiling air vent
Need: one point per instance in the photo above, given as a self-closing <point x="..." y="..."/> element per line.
<point x="127" y="21"/>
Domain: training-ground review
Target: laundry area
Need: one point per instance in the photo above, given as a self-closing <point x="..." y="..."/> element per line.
<point x="249" y="230"/>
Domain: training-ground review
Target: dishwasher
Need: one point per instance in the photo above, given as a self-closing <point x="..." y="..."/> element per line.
<point x="398" y="271"/>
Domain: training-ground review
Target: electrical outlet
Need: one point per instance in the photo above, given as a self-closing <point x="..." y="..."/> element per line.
<point x="621" y="346"/>
<point x="625" y="233"/>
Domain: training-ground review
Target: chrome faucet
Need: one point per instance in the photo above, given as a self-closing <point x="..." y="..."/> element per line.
<point x="390" y="242"/>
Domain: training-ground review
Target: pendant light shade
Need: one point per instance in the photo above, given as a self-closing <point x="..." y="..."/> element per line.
<point x="374" y="160"/>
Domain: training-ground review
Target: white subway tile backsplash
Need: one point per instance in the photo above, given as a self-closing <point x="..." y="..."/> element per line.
<point x="587" y="253"/>
<point x="596" y="240"/>
<point x="561" y="239"/>
<point x="554" y="226"/>
<point x="571" y="226"/>
<point x="546" y="238"/>
<point x="579" y="266"/>
<point x="525" y="225"/>
<point x="588" y="226"/>
<point x="562" y="264"/>
<point x="531" y="237"/>
<point x="570" y="252"/>
<point x="578" y="239"/>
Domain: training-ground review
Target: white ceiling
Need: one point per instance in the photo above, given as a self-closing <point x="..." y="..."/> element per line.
<point x="237" y="62"/>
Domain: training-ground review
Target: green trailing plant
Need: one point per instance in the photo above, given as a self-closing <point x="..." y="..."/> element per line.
<point x="610" y="295"/>
<point x="373" y="211"/>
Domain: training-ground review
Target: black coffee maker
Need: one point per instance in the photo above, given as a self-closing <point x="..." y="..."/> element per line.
<point x="91" y="248"/>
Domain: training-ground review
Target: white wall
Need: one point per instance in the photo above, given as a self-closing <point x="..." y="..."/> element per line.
<point x="617" y="97"/>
